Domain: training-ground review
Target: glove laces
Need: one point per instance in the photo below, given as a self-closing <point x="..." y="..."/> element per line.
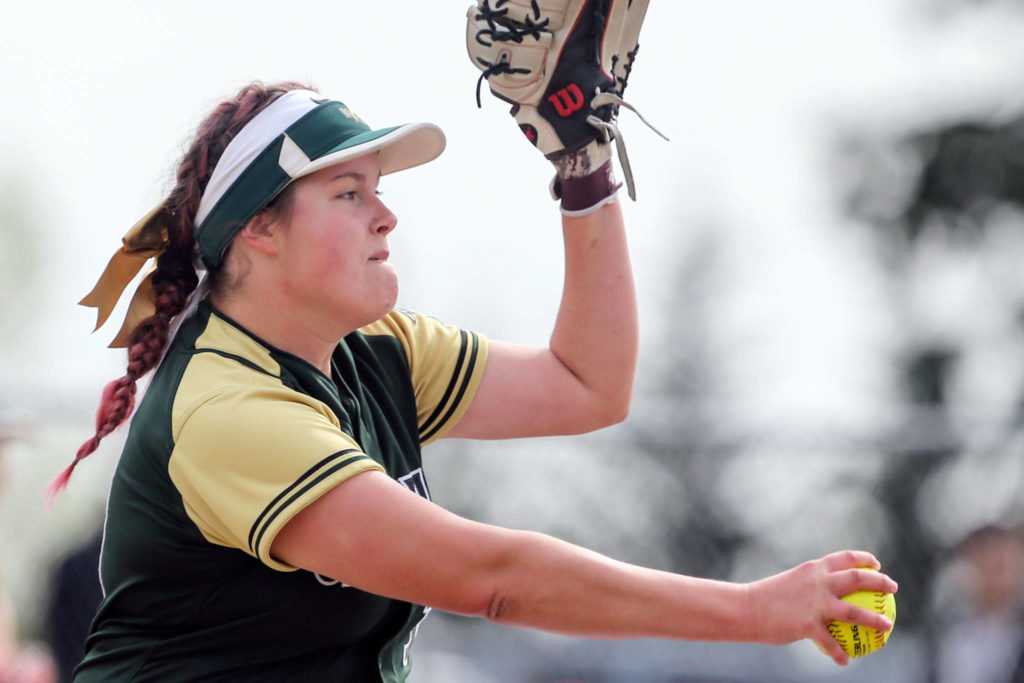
<point x="610" y="131"/>
<point x="501" y="29"/>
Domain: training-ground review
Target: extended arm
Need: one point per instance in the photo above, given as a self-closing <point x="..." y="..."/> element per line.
<point x="584" y="379"/>
<point x="407" y="548"/>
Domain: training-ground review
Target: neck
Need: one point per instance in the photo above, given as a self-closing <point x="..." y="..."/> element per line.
<point x="283" y="325"/>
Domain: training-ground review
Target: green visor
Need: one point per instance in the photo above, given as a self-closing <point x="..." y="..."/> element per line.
<point x="298" y="134"/>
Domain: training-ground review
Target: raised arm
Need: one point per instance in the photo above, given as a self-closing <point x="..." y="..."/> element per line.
<point x="584" y="379"/>
<point x="565" y="66"/>
<point x="432" y="557"/>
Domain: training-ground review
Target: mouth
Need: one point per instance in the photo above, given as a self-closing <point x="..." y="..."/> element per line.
<point x="381" y="255"/>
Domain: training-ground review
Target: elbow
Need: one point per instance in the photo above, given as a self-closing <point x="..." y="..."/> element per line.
<point x="506" y="609"/>
<point x="614" y="402"/>
<point x="482" y="588"/>
<point x="498" y="608"/>
<point x="610" y="411"/>
<point x="494" y="589"/>
<point x="480" y="601"/>
<point x="619" y="410"/>
<point x="495" y="606"/>
<point x="582" y="418"/>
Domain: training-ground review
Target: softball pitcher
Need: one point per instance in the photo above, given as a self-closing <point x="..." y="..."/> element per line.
<point x="269" y="518"/>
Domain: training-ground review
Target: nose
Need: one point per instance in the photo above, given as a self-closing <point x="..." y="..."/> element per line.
<point x="386" y="221"/>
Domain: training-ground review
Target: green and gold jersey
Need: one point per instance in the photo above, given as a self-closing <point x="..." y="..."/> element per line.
<point x="232" y="439"/>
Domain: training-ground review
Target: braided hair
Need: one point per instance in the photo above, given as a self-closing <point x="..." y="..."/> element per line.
<point x="175" y="276"/>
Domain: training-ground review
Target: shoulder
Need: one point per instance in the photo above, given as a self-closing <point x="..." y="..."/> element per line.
<point x="399" y="323"/>
<point x="419" y="333"/>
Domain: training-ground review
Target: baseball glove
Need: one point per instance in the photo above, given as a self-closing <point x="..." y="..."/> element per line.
<point x="562" y="64"/>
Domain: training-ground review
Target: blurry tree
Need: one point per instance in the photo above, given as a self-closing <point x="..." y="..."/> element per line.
<point x="952" y="177"/>
<point x="964" y="175"/>
<point x="677" y="428"/>
<point x="969" y="168"/>
<point x="946" y="10"/>
<point x="922" y="446"/>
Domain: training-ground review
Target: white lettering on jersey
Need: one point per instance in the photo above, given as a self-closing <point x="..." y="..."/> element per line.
<point x="412" y="637"/>
<point x="416" y="482"/>
<point x="326" y="581"/>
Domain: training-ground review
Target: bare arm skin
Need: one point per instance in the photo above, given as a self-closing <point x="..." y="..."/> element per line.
<point x="584" y="379"/>
<point x="407" y="548"/>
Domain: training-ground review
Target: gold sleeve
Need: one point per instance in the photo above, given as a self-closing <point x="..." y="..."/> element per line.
<point x="446" y="364"/>
<point x="246" y="460"/>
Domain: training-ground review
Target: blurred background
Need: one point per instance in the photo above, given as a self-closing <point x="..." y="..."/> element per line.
<point x="829" y="260"/>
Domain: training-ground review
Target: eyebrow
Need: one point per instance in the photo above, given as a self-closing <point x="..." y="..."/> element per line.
<point x="356" y="175"/>
<point x="349" y="174"/>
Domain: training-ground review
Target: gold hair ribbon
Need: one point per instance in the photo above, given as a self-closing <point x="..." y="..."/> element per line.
<point x="147" y="239"/>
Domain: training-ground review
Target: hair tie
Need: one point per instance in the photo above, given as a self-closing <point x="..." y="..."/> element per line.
<point x="147" y="239"/>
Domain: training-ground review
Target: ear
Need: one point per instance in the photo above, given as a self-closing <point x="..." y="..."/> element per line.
<point x="261" y="234"/>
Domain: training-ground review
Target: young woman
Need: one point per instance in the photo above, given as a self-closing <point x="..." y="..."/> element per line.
<point x="269" y="518"/>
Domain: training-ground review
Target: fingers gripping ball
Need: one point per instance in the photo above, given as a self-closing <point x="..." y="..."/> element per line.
<point x="856" y="640"/>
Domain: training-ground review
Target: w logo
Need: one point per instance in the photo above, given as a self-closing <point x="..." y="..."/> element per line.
<point x="568" y="100"/>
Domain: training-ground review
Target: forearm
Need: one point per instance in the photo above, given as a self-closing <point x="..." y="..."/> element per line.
<point x="432" y="557"/>
<point x="520" y="578"/>
<point x="561" y="588"/>
<point x="596" y="331"/>
<point x="558" y="587"/>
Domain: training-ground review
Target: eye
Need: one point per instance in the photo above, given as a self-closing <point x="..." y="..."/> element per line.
<point x="351" y="194"/>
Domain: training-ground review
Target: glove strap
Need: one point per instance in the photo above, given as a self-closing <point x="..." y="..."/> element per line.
<point x="584" y="181"/>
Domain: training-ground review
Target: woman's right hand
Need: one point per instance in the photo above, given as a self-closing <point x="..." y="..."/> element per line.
<point x="800" y="602"/>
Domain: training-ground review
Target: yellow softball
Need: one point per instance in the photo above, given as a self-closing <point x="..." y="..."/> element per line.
<point x="858" y="641"/>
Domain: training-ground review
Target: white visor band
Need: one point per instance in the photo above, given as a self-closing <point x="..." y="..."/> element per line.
<point x="299" y="133"/>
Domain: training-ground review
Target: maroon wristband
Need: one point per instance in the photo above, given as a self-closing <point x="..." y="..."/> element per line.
<point x="580" y="194"/>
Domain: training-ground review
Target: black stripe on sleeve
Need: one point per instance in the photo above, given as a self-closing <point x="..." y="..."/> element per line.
<point x="463" y="386"/>
<point x="448" y="390"/>
<point x="310" y="478"/>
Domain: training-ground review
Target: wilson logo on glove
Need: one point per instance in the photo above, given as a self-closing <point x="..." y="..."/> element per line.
<point x="523" y="47"/>
<point x="568" y="100"/>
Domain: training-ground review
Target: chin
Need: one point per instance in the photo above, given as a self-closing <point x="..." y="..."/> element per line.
<point x="392" y="297"/>
<point x="386" y="306"/>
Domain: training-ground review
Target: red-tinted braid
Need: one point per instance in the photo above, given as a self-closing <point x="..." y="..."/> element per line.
<point x="145" y="347"/>
<point x="175" y="278"/>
